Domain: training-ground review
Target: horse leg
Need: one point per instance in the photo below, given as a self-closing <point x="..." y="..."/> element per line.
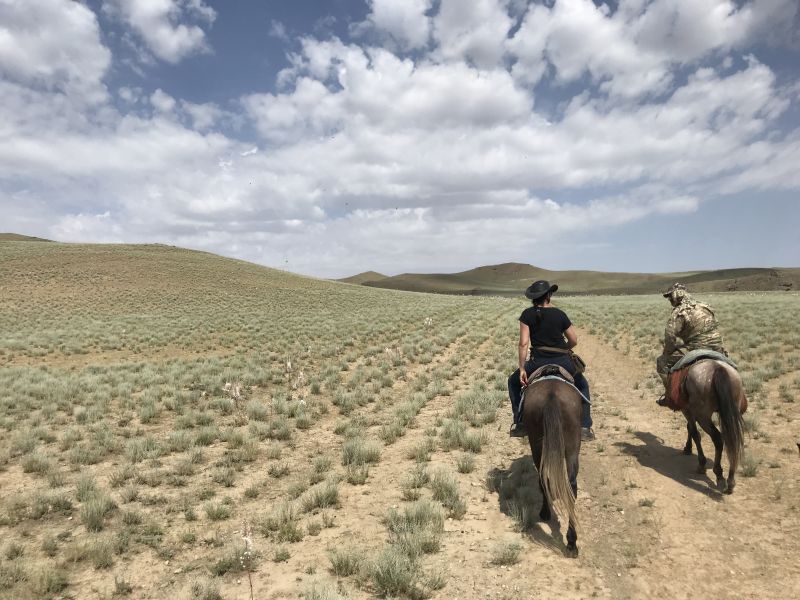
<point x="687" y="449"/>
<point x="536" y="450"/>
<point x="694" y="434"/>
<point x="572" y="535"/>
<point x="716" y="437"/>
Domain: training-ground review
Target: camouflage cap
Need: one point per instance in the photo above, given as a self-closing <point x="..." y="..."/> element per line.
<point x="674" y="288"/>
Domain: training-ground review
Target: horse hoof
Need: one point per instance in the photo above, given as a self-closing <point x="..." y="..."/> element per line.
<point x="687" y="450"/>
<point x="572" y="552"/>
<point x="728" y="490"/>
<point x="701" y="469"/>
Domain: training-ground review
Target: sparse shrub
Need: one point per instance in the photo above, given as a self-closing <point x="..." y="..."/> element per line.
<point x="393" y="573"/>
<point x="322" y="464"/>
<point x="224" y="477"/>
<point x="357" y="474"/>
<point x="49" y="546"/>
<point x="217" y="511"/>
<point x="421" y="452"/>
<point x="205" y="590"/>
<point x="323" y="495"/>
<point x="345" y="561"/>
<point x="356" y="451"/>
<point x="506" y="553"/>
<point x="122" y="587"/>
<point x="94" y="510"/>
<point x="11" y="574"/>
<point x="444" y="487"/>
<point x="37" y="463"/>
<point x="417" y="529"/>
<point x="322" y="591"/>
<point x="750" y="465"/>
<point x="49" y="581"/>
<point x="257" y="411"/>
<point x="313" y="527"/>
<point x="465" y="463"/>
<point x="85" y="487"/>
<point x="13" y="551"/>
<point x="278" y="470"/>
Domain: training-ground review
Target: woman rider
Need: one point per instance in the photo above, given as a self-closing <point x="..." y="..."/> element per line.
<point x="545" y="325"/>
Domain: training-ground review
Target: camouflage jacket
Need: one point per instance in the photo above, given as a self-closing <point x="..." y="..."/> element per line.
<point x="692" y="326"/>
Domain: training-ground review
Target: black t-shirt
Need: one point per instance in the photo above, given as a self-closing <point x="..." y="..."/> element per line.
<point x="550" y="330"/>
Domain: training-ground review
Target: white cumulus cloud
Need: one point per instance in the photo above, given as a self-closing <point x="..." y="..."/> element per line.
<point x="171" y="29"/>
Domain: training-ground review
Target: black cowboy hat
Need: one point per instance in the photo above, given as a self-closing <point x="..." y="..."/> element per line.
<point x="538" y="289"/>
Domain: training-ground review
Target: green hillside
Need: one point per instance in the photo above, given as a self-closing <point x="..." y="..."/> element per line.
<point x="512" y="278"/>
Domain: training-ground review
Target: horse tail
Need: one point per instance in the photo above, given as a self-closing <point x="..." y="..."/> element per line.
<point x="730" y="418"/>
<point x="553" y="470"/>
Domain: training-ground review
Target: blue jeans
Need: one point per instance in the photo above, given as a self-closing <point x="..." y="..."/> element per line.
<point x="515" y="387"/>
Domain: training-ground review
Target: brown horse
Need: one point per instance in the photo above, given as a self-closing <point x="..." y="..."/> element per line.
<point x="551" y="413"/>
<point x="713" y="386"/>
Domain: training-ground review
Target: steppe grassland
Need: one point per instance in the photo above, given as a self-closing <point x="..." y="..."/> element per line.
<point x="178" y="422"/>
<point x="211" y="414"/>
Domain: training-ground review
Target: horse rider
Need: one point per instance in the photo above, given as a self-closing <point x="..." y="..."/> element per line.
<point x="691" y="326"/>
<point x="544" y="326"/>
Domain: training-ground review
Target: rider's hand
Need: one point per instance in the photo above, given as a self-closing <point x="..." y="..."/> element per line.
<point x="523" y="377"/>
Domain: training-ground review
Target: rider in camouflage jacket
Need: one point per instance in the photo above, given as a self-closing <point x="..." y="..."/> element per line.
<point x="691" y="326"/>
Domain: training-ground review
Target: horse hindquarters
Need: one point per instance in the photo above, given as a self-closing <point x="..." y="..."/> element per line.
<point x="730" y="420"/>
<point x="559" y="486"/>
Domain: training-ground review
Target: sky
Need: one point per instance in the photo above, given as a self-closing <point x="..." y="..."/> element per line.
<point x="333" y="137"/>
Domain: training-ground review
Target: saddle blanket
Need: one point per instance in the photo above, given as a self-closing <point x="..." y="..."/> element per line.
<point x="694" y="355"/>
<point x="676" y="399"/>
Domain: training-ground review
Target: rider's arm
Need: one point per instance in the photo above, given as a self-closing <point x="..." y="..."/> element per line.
<point x="671" y="333"/>
<point x="572" y="337"/>
<point x="524" y="341"/>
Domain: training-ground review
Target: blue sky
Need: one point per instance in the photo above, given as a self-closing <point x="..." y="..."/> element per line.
<point x="329" y="138"/>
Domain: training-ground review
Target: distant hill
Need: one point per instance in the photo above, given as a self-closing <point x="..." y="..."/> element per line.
<point x="16" y="237"/>
<point x="363" y="278"/>
<point x="511" y="278"/>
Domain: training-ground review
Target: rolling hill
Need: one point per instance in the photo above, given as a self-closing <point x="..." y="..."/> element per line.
<point x="16" y="237"/>
<point x="510" y="278"/>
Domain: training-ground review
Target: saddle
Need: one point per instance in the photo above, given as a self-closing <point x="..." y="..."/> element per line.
<point x="702" y="354"/>
<point x="551" y="371"/>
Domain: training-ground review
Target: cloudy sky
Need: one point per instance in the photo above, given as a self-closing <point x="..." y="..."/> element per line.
<point x="332" y="137"/>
